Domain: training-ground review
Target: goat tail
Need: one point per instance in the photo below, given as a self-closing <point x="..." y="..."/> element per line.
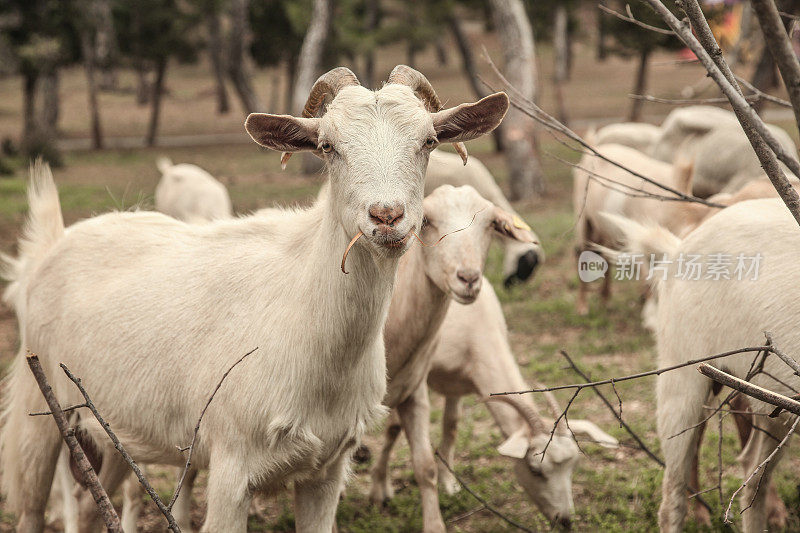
<point x="646" y="240"/>
<point x="163" y="164"/>
<point x="43" y="227"/>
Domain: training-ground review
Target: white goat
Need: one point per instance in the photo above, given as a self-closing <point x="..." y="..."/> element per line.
<point x="521" y="259"/>
<point x="637" y="135"/>
<point x="714" y="139"/>
<point x="691" y="325"/>
<point x="428" y="278"/>
<point x="473" y="356"/>
<point x="189" y="193"/>
<point x="599" y="186"/>
<point x="150" y="311"/>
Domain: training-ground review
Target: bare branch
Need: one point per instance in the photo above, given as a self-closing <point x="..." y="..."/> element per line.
<point x="656" y="372"/>
<point x="776" y="40"/>
<point x="759" y="393"/>
<point x="172" y="525"/>
<point x="687" y="101"/>
<point x="479" y="498"/>
<point x="64" y="410"/>
<point x="785" y="358"/>
<point x="630" y="18"/>
<point x="761" y="94"/>
<point x="197" y="428"/>
<point x="104" y="505"/>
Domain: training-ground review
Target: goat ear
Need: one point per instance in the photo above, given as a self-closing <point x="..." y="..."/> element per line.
<point x="591" y="431"/>
<point x="512" y="227"/>
<point x="283" y="133"/>
<point x="468" y="121"/>
<point x="515" y="446"/>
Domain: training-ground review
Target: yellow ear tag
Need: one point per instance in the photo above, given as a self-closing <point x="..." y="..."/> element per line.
<point x="519" y="223"/>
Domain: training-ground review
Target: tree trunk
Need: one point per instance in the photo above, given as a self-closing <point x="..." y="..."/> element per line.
<point x="468" y="64"/>
<point x="516" y="39"/>
<point x="640" y="87"/>
<point x="561" y="57"/>
<point x="602" y="44"/>
<point x="89" y="49"/>
<point x="142" y="85"/>
<point x="105" y="44"/>
<point x="309" y="65"/>
<point x="275" y="93"/>
<point x="237" y="57"/>
<point x="155" y="102"/>
<point x="30" y="125"/>
<point x="217" y="60"/>
<point x="50" y="108"/>
<point x="441" y="52"/>
<point x="291" y="75"/>
<point x="371" y="24"/>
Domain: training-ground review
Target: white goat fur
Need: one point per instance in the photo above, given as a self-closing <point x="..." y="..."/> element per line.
<point x="448" y="168"/>
<point x="173" y="305"/>
<point x="591" y="198"/>
<point x="427" y="280"/>
<point x="189" y="193"/>
<point x="690" y="326"/>
<point x="637" y="135"/>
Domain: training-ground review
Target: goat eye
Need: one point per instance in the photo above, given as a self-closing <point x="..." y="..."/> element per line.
<point x="326" y="147"/>
<point x="430" y="141"/>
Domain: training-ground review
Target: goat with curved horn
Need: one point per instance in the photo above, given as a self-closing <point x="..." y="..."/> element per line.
<point x="527" y="412"/>
<point x="406" y="75"/>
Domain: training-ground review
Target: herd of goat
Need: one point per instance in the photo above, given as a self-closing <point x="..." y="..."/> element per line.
<point x="150" y="310"/>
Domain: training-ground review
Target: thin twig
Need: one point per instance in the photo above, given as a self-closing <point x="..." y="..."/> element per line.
<point x="99" y="494"/>
<point x="689" y="101"/>
<point x="64" y="410"/>
<point x="630" y="18"/>
<point x="197" y="428"/>
<point x="172" y="525"/>
<point x="761" y="94"/>
<point x="479" y="498"/>
<point x="758" y="468"/>
<point x="638" y="375"/>
<point x="785" y="358"/>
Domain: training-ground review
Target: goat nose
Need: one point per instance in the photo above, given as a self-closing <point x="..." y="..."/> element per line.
<point x="468" y="275"/>
<point x="564" y="523"/>
<point x="386" y="215"/>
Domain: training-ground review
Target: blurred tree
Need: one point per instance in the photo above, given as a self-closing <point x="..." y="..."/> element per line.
<point x="628" y="39"/>
<point x="212" y="10"/>
<point x="40" y="38"/>
<point x="151" y="32"/>
<point x="516" y="38"/>
<point x="105" y="43"/>
<point x="238" y="46"/>
<point x="89" y="29"/>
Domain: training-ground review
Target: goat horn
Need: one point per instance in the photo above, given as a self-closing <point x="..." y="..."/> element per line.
<point x="405" y="75"/>
<point x="327" y="85"/>
<point x="527" y="412"/>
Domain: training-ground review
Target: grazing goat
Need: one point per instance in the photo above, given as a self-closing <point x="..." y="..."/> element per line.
<point x="189" y="193"/>
<point x="714" y="139"/>
<point x="599" y="186"/>
<point x="637" y="135"/>
<point x="759" y="300"/>
<point x="427" y="280"/>
<point x="521" y="258"/>
<point x="473" y="356"/>
<point x="150" y="311"/>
